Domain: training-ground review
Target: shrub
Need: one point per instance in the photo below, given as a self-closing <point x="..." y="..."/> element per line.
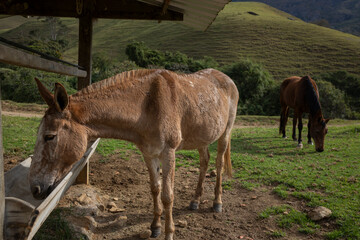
<point x="349" y="84"/>
<point x="19" y="85"/>
<point x="253" y="83"/>
<point x="145" y="57"/>
<point x="332" y="100"/>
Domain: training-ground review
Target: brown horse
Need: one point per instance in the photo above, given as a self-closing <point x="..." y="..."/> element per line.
<point x="302" y="95"/>
<point x="158" y="110"/>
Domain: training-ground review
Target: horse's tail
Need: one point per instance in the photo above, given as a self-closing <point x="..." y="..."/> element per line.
<point x="227" y="160"/>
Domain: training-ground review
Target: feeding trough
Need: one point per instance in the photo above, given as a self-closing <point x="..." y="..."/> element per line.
<point x="24" y="214"/>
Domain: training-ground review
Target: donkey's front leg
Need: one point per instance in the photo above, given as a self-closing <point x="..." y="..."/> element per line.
<point x="204" y="161"/>
<point x="167" y="196"/>
<point x="155" y="185"/>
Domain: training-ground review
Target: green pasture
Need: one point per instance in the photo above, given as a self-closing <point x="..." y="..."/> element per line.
<point x="284" y="44"/>
<point x="261" y="157"/>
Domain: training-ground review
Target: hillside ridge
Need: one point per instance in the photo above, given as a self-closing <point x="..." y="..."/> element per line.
<point x="284" y="44"/>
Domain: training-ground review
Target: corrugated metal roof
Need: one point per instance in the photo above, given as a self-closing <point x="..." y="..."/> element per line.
<point x="198" y="14"/>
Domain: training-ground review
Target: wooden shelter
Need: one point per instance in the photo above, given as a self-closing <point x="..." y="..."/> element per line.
<point x="195" y="13"/>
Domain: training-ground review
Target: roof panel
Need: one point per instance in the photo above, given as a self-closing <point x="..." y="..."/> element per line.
<point x="198" y="14"/>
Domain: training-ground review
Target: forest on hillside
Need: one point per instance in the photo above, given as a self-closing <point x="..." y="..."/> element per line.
<point x="259" y="93"/>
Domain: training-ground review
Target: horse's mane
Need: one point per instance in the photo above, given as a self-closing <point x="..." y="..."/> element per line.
<point x="311" y="96"/>
<point x="121" y="80"/>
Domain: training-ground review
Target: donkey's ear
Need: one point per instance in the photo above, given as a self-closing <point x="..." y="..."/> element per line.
<point x="61" y="97"/>
<point x="45" y="93"/>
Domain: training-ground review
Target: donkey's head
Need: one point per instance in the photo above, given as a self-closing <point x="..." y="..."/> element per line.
<point x="318" y="130"/>
<point x="61" y="141"/>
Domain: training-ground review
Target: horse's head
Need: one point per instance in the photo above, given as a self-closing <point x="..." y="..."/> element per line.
<point x="318" y="130"/>
<point x="61" y="141"/>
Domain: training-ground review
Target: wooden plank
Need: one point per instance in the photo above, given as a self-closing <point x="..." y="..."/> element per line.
<point x="20" y="58"/>
<point x="2" y="185"/>
<point x="114" y="9"/>
<point x="83" y="177"/>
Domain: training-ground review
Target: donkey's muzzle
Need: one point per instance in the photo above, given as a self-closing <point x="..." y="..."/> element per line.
<point x="39" y="192"/>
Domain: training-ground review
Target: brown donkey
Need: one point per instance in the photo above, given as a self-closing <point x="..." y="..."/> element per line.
<point x="158" y="110"/>
<point x="302" y="95"/>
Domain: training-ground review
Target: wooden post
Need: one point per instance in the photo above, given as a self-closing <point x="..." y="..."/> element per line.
<point x="84" y="52"/>
<point x="84" y="59"/>
<point x="2" y="185"/>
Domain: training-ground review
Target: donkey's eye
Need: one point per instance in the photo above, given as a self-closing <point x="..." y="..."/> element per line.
<point x="49" y="137"/>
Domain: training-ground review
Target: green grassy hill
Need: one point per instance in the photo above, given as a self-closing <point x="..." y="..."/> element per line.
<point x="284" y="44"/>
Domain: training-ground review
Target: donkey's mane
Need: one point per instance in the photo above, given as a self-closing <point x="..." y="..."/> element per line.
<point x="121" y="80"/>
<point x="311" y="97"/>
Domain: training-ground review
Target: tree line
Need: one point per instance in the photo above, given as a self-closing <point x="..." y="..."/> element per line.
<point x="259" y="93"/>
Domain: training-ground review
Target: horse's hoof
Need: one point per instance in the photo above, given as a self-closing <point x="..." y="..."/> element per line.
<point x="310" y="143"/>
<point x="194" y="206"/>
<point x="284" y="137"/>
<point x="155" y="232"/>
<point x="300" y="145"/>
<point x="295" y="139"/>
<point x="217" y="207"/>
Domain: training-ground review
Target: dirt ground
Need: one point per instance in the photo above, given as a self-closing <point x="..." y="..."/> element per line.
<point x="126" y="183"/>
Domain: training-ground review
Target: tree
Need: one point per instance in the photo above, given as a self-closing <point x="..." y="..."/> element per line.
<point x="349" y="84"/>
<point x="332" y="101"/>
<point x="252" y="81"/>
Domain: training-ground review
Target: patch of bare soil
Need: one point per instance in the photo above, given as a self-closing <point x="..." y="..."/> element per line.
<point x="126" y="183"/>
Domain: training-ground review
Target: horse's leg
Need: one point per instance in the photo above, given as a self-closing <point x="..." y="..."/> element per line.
<point x="222" y="146"/>
<point x="167" y="195"/>
<point x="204" y="161"/>
<point x="294" y="127"/>
<point x="309" y="136"/>
<point x="283" y="120"/>
<point x="155" y="185"/>
<point x="300" y="127"/>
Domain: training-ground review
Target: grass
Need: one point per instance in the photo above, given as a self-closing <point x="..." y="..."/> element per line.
<point x="285" y="45"/>
<point x="286" y="217"/>
<point x="55" y="228"/>
<point x="261" y="157"/>
<point x="19" y="135"/>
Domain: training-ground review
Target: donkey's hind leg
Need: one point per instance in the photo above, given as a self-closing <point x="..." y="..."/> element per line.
<point x="223" y="144"/>
<point x="204" y="161"/>
<point x="155" y="185"/>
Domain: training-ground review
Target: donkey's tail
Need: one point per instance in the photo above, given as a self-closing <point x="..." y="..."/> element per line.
<point x="227" y="160"/>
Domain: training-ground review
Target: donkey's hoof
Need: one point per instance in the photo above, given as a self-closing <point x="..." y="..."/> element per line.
<point x="155" y="232"/>
<point x="217" y="207"/>
<point x="194" y="206"/>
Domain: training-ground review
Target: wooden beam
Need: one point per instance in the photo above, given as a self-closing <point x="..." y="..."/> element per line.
<point x="114" y="9"/>
<point x="2" y="185"/>
<point x="84" y="51"/>
<point x="84" y="60"/>
<point x="20" y="58"/>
